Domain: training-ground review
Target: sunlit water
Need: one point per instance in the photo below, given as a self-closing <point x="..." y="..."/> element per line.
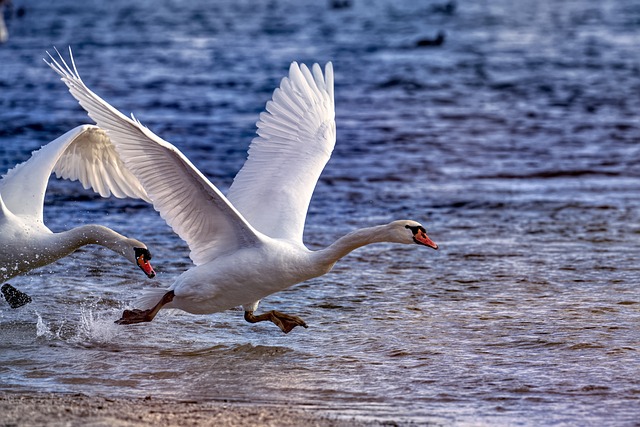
<point x="516" y="142"/>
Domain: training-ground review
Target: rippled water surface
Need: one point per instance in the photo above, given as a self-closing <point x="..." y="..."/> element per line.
<point x="516" y="142"/>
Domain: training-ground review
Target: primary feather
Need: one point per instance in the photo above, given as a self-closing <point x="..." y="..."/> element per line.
<point x="84" y="154"/>
<point x="194" y="208"/>
<point x="296" y="136"/>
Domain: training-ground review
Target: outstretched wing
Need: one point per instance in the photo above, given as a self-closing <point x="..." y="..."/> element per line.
<point x="195" y="209"/>
<point x="92" y="159"/>
<point x="85" y="154"/>
<point x="296" y="136"/>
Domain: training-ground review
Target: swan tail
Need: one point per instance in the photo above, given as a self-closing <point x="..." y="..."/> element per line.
<point x="150" y="298"/>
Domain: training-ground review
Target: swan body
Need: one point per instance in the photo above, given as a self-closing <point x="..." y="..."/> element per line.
<point x="221" y="284"/>
<point x="248" y="244"/>
<point x="271" y="266"/>
<point x="85" y="154"/>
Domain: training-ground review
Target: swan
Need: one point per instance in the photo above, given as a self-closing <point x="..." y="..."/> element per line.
<point x="85" y="153"/>
<point x="249" y="244"/>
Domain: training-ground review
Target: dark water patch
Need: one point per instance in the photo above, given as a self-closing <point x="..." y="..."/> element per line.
<point x="553" y="174"/>
<point x="628" y="302"/>
<point x="330" y="306"/>
<point x="401" y="83"/>
<point x="586" y="346"/>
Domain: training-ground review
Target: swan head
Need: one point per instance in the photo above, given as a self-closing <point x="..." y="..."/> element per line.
<point x="411" y="232"/>
<point x="143" y="256"/>
<point x="138" y="253"/>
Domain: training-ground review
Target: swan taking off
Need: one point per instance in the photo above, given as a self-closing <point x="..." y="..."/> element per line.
<point x="85" y="154"/>
<point x="249" y="244"/>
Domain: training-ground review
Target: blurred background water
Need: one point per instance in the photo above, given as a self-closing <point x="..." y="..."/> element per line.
<point x="513" y="136"/>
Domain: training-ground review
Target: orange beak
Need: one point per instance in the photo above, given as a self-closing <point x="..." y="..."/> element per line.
<point x="421" y="238"/>
<point x="146" y="267"/>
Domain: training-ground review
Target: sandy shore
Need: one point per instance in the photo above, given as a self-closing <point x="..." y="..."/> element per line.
<point x="34" y="409"/>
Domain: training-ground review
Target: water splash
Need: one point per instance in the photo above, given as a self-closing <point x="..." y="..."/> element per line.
<point x="91" y="328"/>
<point x="43" y="329"/>
<point x="94" y="328"/>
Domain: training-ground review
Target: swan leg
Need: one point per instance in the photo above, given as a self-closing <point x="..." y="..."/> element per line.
<point x="285" y="322"/>
<point x="130" y="317"/>
<point x="14" y="297"/>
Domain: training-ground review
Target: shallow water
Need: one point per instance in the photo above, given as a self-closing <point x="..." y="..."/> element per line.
<point x="516" y="142"/>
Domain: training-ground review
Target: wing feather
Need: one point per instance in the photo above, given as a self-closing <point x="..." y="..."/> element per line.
<point x="296" y="136"/>
<point x="181" y="194"/>
<point x="83" y="154"/>
<point x="92" y="159"/>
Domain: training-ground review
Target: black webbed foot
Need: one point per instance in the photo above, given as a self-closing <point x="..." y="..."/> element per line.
<point x="14" y="297"/>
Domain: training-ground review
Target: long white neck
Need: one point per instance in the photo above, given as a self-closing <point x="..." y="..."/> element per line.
<point x="349" y="242"/>
<point x="68" y="241"/>
<point x="46" y="248"/>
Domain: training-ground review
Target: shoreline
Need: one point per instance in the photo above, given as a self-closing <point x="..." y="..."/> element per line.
<point x="53" y="409"/>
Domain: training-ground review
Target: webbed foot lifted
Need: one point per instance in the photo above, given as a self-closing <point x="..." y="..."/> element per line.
<point x="285" y="322"/>
<point x="14" y="297"/>
<point x="130" y="317"/>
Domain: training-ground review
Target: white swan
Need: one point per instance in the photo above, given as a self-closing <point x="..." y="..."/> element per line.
<point x="85" y="154"/>
<point x="249" y="245"/>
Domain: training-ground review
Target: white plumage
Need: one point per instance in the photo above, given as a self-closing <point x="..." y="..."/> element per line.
<point x="248" y="245"/>
<point x="295" y="139"/>
<point x="84" y="154"/>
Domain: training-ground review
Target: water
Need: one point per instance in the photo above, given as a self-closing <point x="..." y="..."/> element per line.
<point x="515" y="142"/>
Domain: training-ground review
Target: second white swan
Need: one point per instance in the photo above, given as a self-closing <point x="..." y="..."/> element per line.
<point x="86" y="154"/>
<point x="249" y="244"/>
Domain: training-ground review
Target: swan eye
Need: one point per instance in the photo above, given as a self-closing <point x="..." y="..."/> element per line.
<point x="416" y="229"/>
<point x="143" y="252"/>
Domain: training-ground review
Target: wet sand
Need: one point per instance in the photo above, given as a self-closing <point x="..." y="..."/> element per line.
<point x="35" y="409"/>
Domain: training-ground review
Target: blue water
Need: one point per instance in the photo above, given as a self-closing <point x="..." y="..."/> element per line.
<point x="517" y="143"/>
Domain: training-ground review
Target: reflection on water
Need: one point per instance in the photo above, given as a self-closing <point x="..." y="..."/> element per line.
<point x="515" y="142"/>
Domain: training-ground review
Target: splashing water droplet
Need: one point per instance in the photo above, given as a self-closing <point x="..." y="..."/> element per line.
<point x="93" y="328"/>
<point x="42" y="329"/>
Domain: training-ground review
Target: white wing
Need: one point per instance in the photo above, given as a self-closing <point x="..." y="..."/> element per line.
<point x="85" y="154"/>
<point x="188" y="202"/>
<point x="296" y="136"/>
<point x="92" y="159"/>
